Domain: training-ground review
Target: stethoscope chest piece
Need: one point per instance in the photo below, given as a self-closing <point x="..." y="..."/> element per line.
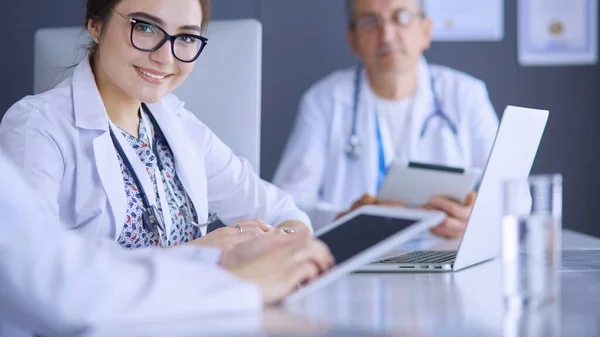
<point x="353" y="148"/>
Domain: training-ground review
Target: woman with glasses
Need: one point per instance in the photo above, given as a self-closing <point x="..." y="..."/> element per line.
<point x="113" y="153"/>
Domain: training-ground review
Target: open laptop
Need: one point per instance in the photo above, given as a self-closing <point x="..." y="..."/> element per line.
<point x="512" y="156"/>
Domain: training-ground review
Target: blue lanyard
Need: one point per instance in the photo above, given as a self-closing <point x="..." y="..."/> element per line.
<point x="382" y="169"/>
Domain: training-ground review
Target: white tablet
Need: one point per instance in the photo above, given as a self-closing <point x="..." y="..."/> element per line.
<point x="414" y="183"/>
<point x="365" y="235"/>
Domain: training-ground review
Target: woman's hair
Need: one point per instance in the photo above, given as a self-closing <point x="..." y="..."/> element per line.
<point x="101" y="10"/>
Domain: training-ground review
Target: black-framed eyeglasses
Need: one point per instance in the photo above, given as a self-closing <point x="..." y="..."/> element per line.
<point x="402" y="18"/>
<point x="149" y="37"/>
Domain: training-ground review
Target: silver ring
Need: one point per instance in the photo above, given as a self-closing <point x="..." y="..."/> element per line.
<point x="287" y="230"/>
<point x="238" y="226"/>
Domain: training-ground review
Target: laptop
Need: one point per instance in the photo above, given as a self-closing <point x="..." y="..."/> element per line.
<point x="512" y="156"/>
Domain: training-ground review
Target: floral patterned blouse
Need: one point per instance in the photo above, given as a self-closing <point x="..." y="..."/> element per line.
<point x="134" y="233"/>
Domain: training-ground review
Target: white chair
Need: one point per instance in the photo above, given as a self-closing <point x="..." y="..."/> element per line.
<point x="224" y="90"/>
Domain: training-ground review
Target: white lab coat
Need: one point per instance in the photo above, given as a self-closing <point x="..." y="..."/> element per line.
<point x="60" y="140"/>
<point x="54" y="282"/>
<point x="322" y="179"/>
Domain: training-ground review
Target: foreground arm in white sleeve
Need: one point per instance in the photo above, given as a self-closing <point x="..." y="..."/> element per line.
<point x="54" y="282"/>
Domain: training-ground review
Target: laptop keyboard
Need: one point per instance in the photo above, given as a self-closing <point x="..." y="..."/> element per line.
<point x="423" y="257"/>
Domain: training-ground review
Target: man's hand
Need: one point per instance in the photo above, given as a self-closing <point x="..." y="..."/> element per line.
<point x="368" y="199"/>
<point x="458" y="215"/>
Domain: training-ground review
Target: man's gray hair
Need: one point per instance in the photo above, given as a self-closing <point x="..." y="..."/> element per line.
<point x="350" y="4"/>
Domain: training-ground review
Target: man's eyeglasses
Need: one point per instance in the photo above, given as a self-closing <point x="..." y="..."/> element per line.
<point x="369" y="22"/>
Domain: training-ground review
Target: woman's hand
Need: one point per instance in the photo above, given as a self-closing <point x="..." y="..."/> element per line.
<point x="294" y="227"/>
<point x="228" y="237"/>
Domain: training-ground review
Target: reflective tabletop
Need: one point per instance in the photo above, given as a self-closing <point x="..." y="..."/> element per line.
<point x="464" y="303"/>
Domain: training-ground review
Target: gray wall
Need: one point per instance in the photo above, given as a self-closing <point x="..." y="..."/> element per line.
<point x="304" y="40"/>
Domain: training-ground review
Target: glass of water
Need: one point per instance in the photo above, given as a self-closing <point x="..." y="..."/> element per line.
<point x="531" y="241"/>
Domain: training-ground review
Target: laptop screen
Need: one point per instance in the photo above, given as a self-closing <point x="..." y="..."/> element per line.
<point x="361" y="233"/>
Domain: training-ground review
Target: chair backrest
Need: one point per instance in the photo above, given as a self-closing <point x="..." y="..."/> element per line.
<point x="224" y="90"/>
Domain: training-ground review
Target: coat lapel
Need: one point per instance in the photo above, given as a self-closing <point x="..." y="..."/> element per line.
<point x="111" y="178"/>
<point x="92" y="121"/>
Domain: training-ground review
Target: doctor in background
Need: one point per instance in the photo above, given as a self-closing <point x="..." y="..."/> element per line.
<point x="394" y="104"/>
<point x="113" y="153"/>
<point x="55" y="282"/>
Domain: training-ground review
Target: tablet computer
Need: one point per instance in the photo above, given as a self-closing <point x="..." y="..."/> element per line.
<point x="364" y="235"/>
<point x="414" y="183"/>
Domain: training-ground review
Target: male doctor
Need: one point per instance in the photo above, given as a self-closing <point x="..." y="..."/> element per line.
<point x="353" y="123"/>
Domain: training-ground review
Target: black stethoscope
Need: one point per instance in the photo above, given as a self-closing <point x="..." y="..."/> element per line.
<point x="151" y="217"/>
<point x="353" y="146"/>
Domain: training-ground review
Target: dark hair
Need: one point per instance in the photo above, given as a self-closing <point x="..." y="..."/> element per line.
<point x="101" y="11"/>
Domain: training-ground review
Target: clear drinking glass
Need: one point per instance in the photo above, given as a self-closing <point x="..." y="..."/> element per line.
<point x="531" y="241"/>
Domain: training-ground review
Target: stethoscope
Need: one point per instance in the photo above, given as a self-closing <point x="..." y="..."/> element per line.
<point x="354" y="145"/>
<point x="151" y="217"/>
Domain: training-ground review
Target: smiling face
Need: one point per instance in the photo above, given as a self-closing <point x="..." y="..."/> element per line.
<point x="141" y="75"/>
